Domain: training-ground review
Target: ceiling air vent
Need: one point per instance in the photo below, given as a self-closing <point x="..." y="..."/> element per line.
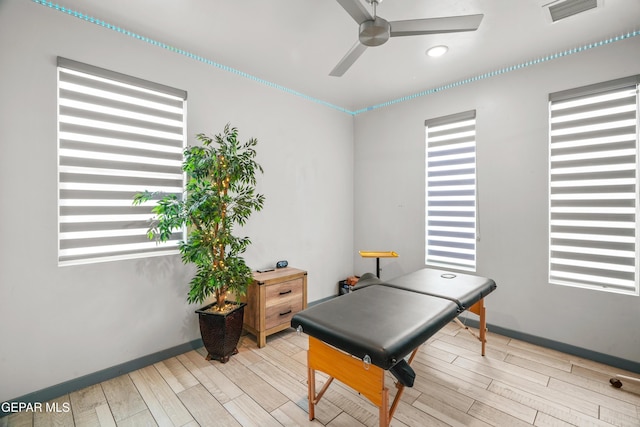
<point x="568" y="8"/>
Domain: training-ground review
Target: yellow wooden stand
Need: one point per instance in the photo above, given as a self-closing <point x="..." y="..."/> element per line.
<point x="377" y="255"/>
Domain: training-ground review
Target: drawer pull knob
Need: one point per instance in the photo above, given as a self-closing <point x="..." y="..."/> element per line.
<point x="285" y="292"/>
<point x="285" y="313"/>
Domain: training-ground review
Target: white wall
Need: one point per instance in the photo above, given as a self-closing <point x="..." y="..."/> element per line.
<point x="512" y="153"/>
<point x="60" y="323"/>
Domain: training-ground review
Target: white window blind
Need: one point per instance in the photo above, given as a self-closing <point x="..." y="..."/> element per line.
<point x="451" y="191"/>
<point x="117" y="136"/>
<point x="593" y="187"/>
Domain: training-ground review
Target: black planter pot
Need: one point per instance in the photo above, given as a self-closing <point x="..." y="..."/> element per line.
<point x="221" y="331"/>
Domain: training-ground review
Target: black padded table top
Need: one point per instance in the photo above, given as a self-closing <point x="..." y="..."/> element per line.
<point x="463" y="289"/>
<point x="381" y="322"/>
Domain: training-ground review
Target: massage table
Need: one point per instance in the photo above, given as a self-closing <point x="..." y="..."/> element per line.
<point x="357" y="337"/>
<point x="466" y="290"/>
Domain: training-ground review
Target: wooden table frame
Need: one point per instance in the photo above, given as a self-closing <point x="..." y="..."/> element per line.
<point x="365" y="378"/>
<point x="479" y="309"/>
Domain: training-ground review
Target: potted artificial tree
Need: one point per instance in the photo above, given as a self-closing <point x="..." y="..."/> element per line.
<point x="219" y="194"/>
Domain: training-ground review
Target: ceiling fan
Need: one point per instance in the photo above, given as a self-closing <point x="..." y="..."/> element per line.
<point x="375" y="31"/>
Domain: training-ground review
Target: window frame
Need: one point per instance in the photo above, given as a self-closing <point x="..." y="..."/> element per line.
<point x="117" y="135"/>
<point x="610" y="263"/>
<point x="462" y="241"/>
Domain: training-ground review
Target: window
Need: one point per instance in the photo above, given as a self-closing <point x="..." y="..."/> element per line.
<point x="117" y="136"/>
<point x="593" y="187"/>
<point x="451" y="191"/>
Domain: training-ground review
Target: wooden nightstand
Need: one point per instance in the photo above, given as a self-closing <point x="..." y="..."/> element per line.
<point x="272" y="300"/>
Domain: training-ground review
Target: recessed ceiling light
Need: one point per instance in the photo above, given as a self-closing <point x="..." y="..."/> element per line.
<point x="437" y="51"/>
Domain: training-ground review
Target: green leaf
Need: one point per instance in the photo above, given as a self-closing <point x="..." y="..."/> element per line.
<point x="219" y="194"/>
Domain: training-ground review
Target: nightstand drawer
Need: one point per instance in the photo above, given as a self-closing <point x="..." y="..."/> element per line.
<point x="282" y="313"/>
<point x="276" y="294"/>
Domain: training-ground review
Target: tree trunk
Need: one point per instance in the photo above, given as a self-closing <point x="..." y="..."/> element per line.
<point x="220" y="299"/>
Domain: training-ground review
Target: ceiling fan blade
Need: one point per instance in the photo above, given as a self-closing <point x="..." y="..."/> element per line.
<point x="356" y="10"/>
<point x="450" y="24"/>
<point x="348" y="60"/>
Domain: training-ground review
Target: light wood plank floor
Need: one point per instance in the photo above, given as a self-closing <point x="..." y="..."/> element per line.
<point x="515" y="384"/>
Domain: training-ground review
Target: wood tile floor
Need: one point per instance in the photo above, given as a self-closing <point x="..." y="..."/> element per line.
<point x="515" y="384"/>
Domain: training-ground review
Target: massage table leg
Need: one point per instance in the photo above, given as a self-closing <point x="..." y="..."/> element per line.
<point x="479" y="309"/>
<point x="366" y="379"/>
<point x="400" y="388"/>
<point x="311" y="383"/>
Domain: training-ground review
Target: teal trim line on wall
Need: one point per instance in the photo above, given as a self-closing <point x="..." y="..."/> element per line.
<point x="502" y="71"/>
<point x="325" y="103"/>
<point x="187" y="54"/>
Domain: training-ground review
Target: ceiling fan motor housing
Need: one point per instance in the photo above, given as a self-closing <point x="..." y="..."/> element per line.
<point x="375" y="32"/>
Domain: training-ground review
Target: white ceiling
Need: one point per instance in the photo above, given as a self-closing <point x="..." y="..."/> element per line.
<point x="296" y="43"/>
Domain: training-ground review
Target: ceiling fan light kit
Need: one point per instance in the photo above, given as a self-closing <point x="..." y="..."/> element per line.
<point x="375" y="31"/>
